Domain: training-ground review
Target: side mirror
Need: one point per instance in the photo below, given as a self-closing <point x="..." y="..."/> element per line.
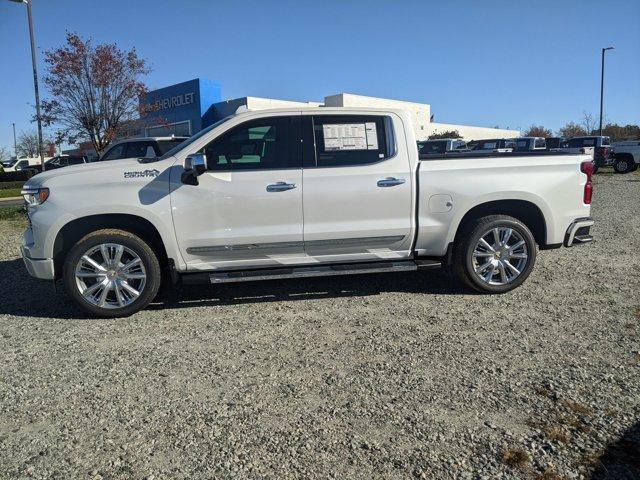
<point x="194" y="166"/>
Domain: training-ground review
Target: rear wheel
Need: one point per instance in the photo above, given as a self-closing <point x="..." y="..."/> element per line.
<point x="494" y="254"/>
<point x="111" y="273"/>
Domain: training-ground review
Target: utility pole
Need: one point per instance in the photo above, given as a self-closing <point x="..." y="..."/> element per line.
<point x="601" y="90"/>
<point x="15" y="143"/>
<point x="35" y="78"/>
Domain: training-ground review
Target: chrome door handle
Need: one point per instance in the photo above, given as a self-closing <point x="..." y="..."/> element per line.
<point x="390" y="182"/>
<point x="280" y="187"/>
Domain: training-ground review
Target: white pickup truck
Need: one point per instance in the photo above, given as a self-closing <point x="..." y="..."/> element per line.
<point x="299" y="193"/>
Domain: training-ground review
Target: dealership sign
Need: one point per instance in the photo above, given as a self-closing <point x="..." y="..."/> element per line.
<point x="172" y="102"/>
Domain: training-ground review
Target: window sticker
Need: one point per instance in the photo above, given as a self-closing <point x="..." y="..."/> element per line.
<point x="350" y="136"/>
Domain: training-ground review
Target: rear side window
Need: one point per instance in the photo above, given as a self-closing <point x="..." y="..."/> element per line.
<point x="540" y="143"/>
<point x="348" y="140"/>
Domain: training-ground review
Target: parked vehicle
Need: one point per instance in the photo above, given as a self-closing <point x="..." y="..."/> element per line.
<point x="442" y="145"/>
<point x="494" y="145"/>
<point x="64" y="161"/>
<point x="599" y="147"/>
<point x="145" y="147"/>
<point x="527" y="144"/>
<point x="22" y="164"/>
<point x="299" y="193"/>
<point x="626" y="156"/>
<point x="554" y="143"/>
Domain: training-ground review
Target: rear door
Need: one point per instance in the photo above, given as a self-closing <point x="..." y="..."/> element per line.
<point x="247" y="209"/>
<point x="357" y="197"/>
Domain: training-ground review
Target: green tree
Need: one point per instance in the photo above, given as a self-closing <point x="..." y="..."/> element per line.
<point x="445" y="134"/>
<point x="572" y="129"/>
<point x="538" y="131"/>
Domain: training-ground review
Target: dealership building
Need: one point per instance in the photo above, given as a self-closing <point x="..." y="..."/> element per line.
<point x="186" y="108"/>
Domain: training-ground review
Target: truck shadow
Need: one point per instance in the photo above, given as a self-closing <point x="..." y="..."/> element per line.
<point x="35" y="298"/>
<point x="621" y="459"/>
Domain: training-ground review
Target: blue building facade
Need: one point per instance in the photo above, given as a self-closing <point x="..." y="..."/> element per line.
<point x="181" y="109"/>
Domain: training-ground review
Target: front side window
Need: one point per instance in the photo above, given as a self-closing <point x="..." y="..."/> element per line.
<point x="347" y="140"/>
<point x="540" y="143"/>
<point x="115" y="153"/>
<point x="254" y="145"/>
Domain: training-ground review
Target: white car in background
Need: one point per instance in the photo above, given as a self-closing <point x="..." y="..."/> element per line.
<point x="626" y="156"/>
<point x="22" y="164"/>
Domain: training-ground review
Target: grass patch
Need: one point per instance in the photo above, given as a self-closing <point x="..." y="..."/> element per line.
<point x="577" y="408"/>
<point x="548" y="474"/>
<point x="10" y="185"/>
<point x="13" y="214"/>
<point x="515" y="458"/>
<point x="557" y="434"/>
<point x="10" y="192"/>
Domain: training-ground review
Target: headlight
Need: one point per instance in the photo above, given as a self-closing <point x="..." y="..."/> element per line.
<point x="35" y="196"/>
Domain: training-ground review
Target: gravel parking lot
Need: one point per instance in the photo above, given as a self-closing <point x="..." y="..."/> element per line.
<point x="393" y="376"/>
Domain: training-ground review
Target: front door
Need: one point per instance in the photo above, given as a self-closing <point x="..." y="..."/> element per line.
<point x="358" y="198"/>
<point x="247" y="209"/>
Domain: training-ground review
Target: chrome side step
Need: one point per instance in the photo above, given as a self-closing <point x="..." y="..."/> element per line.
<point x="318" y="271"/>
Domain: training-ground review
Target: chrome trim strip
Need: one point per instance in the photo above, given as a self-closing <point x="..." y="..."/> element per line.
<point x="336" y="242"/>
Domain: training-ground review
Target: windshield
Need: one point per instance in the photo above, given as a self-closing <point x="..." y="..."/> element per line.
<point x="192" y="139"/>
<point x="166" y="145"/>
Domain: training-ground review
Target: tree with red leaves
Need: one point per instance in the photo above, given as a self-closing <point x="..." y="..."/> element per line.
<point x="95" y="90"/>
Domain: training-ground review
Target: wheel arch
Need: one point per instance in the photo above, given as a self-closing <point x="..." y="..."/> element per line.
<point x="74" y="230"/>
<point x="524" y="210"/>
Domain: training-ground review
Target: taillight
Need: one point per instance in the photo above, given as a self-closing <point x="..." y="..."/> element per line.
<point x="587" y="169"/>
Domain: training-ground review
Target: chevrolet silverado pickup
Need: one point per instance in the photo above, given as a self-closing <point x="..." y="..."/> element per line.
<point x="299" y="193"/>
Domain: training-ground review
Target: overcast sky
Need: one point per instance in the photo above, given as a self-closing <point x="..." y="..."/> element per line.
<point x="483" y="63"/>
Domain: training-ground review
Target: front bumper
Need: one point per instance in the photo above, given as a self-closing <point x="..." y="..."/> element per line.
<point x="578" y="232"/>
<point x="42" y="268"/>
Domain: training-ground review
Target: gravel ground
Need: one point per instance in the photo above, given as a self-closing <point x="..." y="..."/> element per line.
<point x="393" y="376"/>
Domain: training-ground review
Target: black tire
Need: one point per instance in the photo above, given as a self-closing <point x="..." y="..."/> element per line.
<point x="623" y="164"/>
<point x="135" y="245"/>
<point x="468" y="238"/>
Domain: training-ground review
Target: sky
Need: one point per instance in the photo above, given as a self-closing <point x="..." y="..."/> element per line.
<point x="487" y="63"/>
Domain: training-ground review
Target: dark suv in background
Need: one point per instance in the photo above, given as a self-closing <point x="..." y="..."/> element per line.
<point x="146" y="147"/>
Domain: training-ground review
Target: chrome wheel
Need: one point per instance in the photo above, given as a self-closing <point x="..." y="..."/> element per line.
<point x="500" y="256"/>
<point x="110" y="275"/>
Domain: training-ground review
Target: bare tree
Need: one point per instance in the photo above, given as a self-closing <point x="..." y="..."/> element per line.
<point x="27" y="144"/>
<point x="4" y="154"/>
<point x="95" y="90"/>
<point x="588" y="122"/>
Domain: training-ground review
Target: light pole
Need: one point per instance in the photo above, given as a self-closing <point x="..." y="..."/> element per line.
<point x="602" y="87"/>
<point x="15" y="144"/>
<point x="35" y="77"/>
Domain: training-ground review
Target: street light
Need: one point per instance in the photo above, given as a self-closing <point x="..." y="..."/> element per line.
<point x="35" y="77"/>
<point x="602" y="87"/>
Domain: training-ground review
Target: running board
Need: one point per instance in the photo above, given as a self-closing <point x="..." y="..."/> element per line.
<point x="310" y="271"/>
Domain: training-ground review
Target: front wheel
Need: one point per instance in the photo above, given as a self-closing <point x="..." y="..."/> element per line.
<point x="111" y="273"/>
<point x="494" y="254"/>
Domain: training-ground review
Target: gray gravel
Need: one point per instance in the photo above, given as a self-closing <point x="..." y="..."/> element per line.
<point x="390" y="376"/>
